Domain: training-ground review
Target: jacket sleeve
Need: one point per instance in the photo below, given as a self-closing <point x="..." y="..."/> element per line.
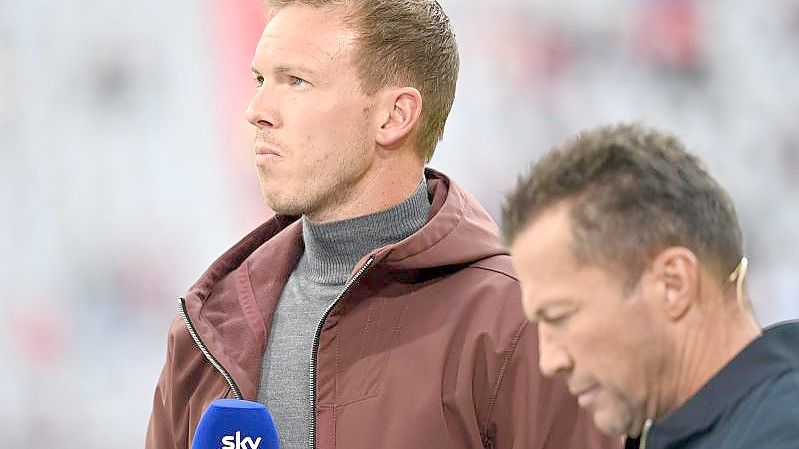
<point x="161" y="428"/>
<point x="535" y="412"/>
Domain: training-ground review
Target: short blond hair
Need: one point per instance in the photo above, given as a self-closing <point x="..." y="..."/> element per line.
<point x="403" y="41"/>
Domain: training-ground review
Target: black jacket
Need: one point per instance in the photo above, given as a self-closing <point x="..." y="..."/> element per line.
<point x="752" y="403"/>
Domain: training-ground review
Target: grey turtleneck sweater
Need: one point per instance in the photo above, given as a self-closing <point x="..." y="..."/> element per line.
<point x="331" y="252"/>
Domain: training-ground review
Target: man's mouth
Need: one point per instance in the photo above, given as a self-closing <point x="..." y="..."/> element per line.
<point x="585" y="396"/>
<point x="266" y="150"/>
<point x="266" y="154"/>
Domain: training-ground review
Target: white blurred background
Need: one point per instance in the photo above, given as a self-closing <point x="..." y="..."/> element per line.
<point x="125" y="161"/>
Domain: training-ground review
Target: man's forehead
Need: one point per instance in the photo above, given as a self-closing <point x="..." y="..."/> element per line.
<point x="313" y="32"/>
<point x="302" y="45"/>
<point x="543" y="256"/>
<point x="547" y="236"/>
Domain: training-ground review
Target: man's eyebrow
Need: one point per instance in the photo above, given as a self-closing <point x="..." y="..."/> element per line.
<point x="283" y="69"/>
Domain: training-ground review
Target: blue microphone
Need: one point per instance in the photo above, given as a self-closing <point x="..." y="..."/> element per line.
<point x="235" y="424"/>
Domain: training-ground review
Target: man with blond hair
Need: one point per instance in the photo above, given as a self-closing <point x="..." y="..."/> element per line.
<point x="641" y="304"/>
<point x="378" y="308"/>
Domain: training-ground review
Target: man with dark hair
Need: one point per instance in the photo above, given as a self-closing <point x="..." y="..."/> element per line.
<point x="378" y="309"/>
<point x="631" y="261"/>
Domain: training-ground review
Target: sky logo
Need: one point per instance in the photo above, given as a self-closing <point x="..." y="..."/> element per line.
<point x="236" y="442"/>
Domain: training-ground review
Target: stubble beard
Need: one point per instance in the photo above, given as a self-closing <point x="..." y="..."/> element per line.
<point x="311" y="195"/>
<point x="283" y="199"/>
<point x="317" y="186"/>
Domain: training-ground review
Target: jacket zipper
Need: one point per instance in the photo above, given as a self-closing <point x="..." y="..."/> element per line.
<point x="312" y="371"/>
<point x="645" y="433"/>
<point x="204" y="349"/>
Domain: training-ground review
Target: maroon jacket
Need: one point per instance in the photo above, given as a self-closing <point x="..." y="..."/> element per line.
<point x="428" y="346"/>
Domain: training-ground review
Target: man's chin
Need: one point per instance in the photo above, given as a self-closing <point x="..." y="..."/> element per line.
<point x="281" y="206"/>
<point x="283" y="209"/>
<point x="611" y="425"/>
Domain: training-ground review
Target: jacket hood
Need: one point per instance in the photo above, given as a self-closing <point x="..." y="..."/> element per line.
<point x="459" y="231"/>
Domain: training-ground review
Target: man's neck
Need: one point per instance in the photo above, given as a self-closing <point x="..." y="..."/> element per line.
<point x="384" y="186"/>
<point x="706" y="346"/>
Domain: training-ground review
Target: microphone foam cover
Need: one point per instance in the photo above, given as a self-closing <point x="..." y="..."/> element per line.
<point x="235" y="424"/>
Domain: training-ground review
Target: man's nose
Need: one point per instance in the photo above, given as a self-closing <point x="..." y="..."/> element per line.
<point x="552" y="358"/>
<point x="261" y="112"/>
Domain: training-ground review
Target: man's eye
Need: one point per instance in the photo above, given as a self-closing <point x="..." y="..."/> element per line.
<point x="556" y="318"/>
<point x="259" y="81"/>
<point x="298" y="81"/>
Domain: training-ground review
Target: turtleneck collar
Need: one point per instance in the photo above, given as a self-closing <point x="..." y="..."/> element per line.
<point x="332" y="249"/>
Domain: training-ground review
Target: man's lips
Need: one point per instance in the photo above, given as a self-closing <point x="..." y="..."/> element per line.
<point x="585" y="394"/>
<point x="266" y="155"/>
<point x="266" y="150"/>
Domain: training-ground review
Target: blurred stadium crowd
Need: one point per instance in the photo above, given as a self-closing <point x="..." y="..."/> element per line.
<point x="126" y="162"/>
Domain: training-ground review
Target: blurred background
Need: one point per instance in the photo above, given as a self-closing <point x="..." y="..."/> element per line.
<point x="126" y="162"/>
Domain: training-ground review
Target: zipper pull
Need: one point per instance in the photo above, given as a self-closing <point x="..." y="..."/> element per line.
<point x="645" y="433"/>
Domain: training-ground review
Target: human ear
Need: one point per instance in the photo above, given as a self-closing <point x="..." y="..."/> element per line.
<point x="401" y="109"/>
<point x="675" y="270"/>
